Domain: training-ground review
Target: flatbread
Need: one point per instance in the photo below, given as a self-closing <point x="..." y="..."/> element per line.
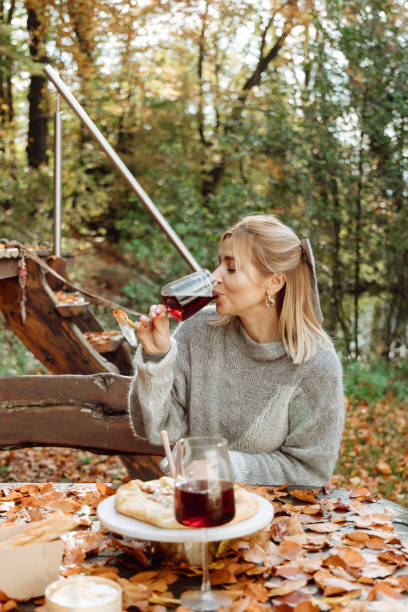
<point x="42" y="531"/>
<point x="122" y="317"/>
<point x="153" y="502"/>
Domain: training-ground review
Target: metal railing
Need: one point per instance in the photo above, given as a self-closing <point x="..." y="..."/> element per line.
<point x="123" y="170"/>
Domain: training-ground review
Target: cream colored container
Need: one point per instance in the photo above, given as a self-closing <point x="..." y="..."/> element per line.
<point x="83" y="594"/>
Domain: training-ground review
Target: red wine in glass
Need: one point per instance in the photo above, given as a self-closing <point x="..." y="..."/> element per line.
<point x="200" y="504"/>
<point x="185" y="307"/>
<point x="187" y="295"/>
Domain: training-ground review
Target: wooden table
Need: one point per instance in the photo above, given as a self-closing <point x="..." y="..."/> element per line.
<point x="332" y="548"/>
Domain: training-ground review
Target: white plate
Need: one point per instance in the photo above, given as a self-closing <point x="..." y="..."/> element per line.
<point x="133" y="528"/>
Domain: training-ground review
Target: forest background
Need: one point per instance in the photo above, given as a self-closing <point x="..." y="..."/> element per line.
<point x="221" y="108"/>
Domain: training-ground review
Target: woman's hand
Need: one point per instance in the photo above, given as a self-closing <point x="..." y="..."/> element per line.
<point x="154" y="331"/>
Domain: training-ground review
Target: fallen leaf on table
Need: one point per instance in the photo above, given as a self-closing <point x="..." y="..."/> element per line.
<point x="294" y="525"/>
<point x="307" y="606"/>
<point x="287" y="586"/>
<point x="378" y="592"/>
<point x="403" y="582"/>
<point x="304" y="495"/>
<point x="332" y="585"/>
<point x="289" y="549"/>
<point x="323" y="527"/>
<point x="291" y="573"/>
<point x="222" y="576"/>
<point x="105" y="489"/>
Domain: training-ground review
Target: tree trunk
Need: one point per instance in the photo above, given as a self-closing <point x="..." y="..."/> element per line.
<point x="37" y="128"/>
<point x="6" y="90"/>
<point x="337" y="267"/>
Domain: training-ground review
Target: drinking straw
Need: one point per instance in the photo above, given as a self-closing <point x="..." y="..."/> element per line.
<point x="167" y="449"/>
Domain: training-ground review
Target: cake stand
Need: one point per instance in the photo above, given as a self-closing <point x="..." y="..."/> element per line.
<point x="127" y="526"/>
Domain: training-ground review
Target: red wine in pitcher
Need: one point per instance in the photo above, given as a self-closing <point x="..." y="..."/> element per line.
<point x="186" y="307"/>
<point x="199" y="505"/>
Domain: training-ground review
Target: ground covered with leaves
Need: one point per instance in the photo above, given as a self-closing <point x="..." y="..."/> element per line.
<point x="374" y="449"/>
<point x="374" y="454"/>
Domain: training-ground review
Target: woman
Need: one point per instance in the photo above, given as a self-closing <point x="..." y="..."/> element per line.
<point x="257" y="369"/>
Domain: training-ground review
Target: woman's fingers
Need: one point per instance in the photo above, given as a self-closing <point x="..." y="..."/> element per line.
<point x="158" y="312"/>
<point x="144" y="324"/>
<point x="153" y="330"/>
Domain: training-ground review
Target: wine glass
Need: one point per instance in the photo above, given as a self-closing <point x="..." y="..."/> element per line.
<point x="187" y="295"/>
<point x="204" y="497"/>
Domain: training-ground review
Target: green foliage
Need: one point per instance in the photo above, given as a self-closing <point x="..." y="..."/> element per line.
<point x="376" y="379"/>
<point x="15" y="358"/>
<point x="317" y="136"/>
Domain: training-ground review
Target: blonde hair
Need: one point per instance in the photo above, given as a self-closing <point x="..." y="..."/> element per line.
<point x="274" y="248"/>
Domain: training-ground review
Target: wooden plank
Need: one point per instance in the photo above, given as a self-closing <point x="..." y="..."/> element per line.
<point x="144" y="467"/>
<point x="52" y="339"/>
<point x="8" y="268"/>
<point x="88" y="412"/>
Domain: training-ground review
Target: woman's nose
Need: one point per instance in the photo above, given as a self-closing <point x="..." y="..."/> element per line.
<point x="216" y="274"/>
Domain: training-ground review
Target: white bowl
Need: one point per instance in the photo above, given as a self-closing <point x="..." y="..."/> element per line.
<point x="83" y="594"/>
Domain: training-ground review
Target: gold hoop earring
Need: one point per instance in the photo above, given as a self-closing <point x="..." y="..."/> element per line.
<point x="270" y="301"/>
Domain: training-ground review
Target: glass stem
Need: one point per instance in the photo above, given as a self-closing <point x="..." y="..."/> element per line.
<point x="205" y="583"/>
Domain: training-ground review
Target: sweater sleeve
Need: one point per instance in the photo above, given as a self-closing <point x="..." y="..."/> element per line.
<point x="157" y="395"/>
<point x="315" y="424"/>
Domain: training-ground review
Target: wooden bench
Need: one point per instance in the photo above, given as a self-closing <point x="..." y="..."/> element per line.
<point x="77" y="411"/>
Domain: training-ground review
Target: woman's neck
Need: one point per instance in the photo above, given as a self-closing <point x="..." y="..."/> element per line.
<point x="262" y="329"/>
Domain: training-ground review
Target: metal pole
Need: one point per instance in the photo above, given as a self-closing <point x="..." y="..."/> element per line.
<point x="57" y="178"/>
<point x="120" y="166"/>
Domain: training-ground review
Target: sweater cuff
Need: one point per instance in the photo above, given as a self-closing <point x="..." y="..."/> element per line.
<point x="154" y="357"/>
<point x="240" y="471"/>
<point x="155" y="365"/>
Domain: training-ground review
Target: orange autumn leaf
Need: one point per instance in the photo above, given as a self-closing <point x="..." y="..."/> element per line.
<point x="290" y="573"/>
<point x="357" y="536"/>
<point x="294" y="525"/>
<point x="304" y="495"/>
<point x="30" y="489"/>
<point x="384" y="468"/>
<point x="289" y="549"/>
<point x="327" y="527"/>
<point x="306" y="606"/>
<point x="66" y="505"/>
<point x="257" y="591"/>
<point x="403" y="582"/>
<point x="376" y="569"/>
<point x="332" y="585"/>
<point x="352" y="558"/>
<point x="375" y="543"/>
<point x="158" y="585"/>
<point x="143" y="576"/>
<point x="360" y="492"/>
<point x="105" y="489"/>
<point x="313" y="509"/>
<point x="379" y="590"/>
<point x="30" y="502"/>
<point x="287" y="586"/>
<point x="222" y="576"/>
<point x="365" y="580"/>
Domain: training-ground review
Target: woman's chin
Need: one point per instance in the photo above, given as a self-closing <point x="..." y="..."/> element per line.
<point x="219" y="309"/>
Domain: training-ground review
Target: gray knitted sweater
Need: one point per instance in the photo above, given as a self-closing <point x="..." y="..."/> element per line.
<point x="283" y="422"/>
